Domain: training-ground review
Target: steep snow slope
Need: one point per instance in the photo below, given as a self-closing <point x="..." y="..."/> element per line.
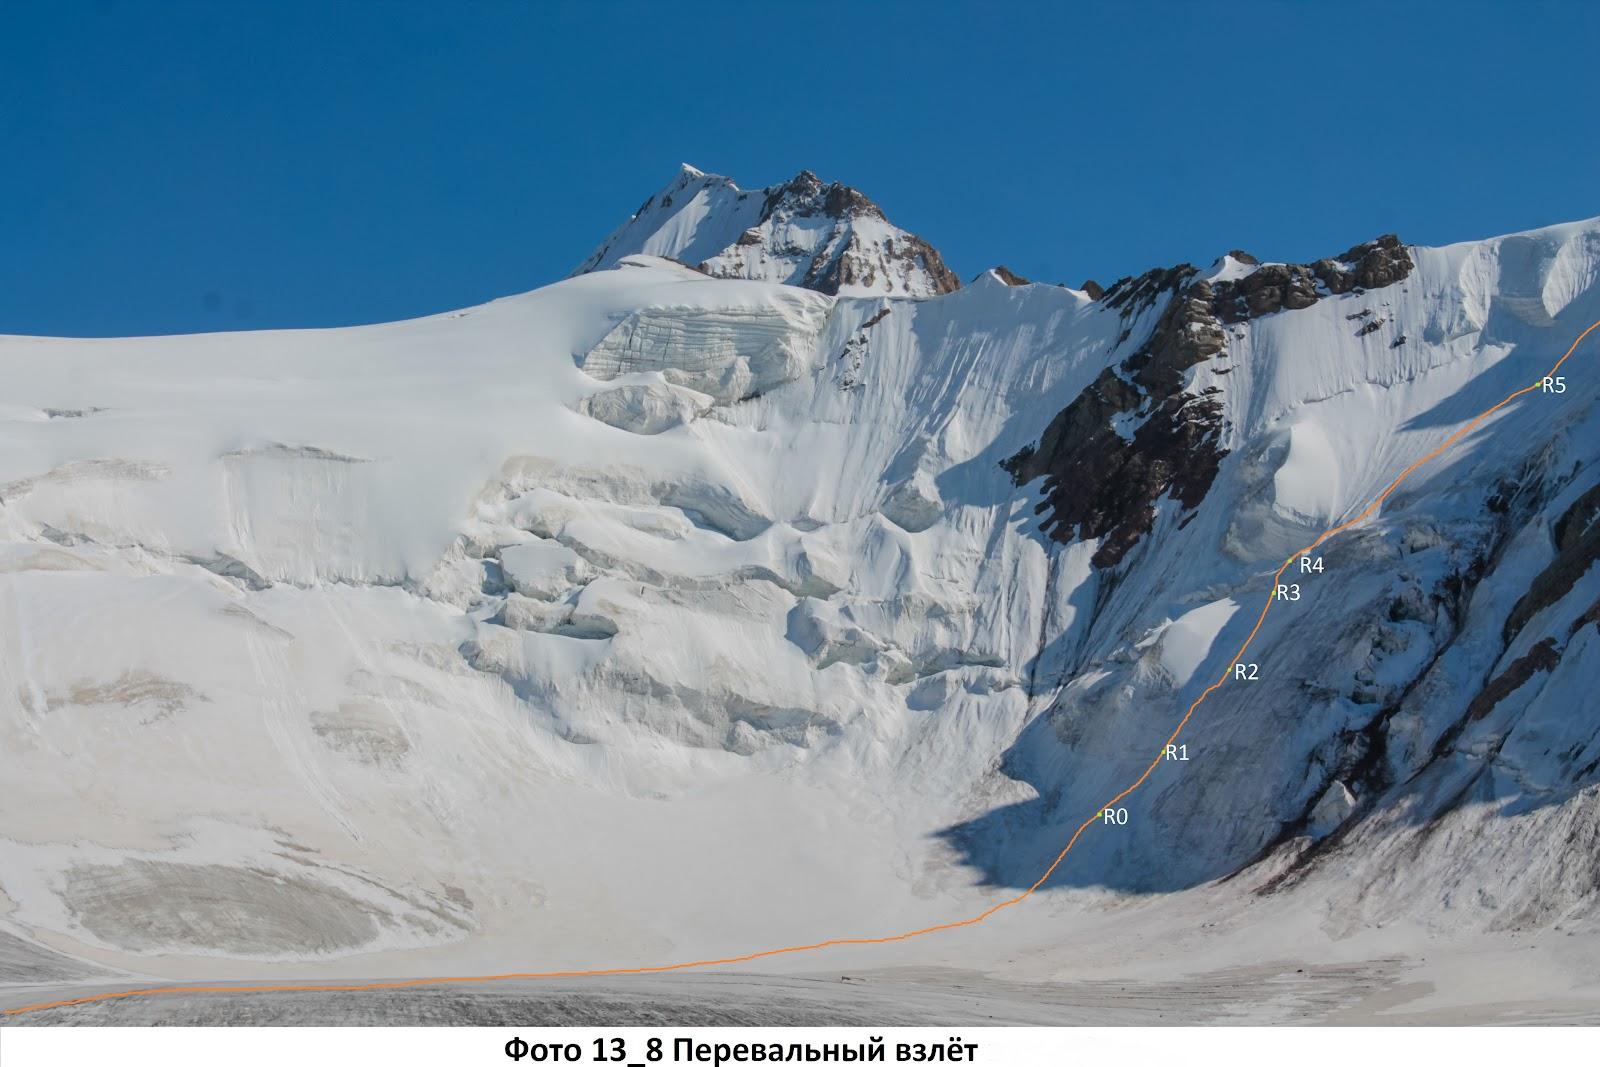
<point x="823" y="236"/>
<point x="652" y="615"/>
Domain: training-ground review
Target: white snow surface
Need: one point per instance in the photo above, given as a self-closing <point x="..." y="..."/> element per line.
<point x="412" y="621"/>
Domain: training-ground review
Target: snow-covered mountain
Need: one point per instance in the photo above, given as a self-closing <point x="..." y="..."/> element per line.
<point x="826" y="237"/>
<point x="670" y="611"/>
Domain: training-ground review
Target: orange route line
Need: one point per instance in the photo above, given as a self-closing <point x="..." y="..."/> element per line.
<point x="835" y="942"/>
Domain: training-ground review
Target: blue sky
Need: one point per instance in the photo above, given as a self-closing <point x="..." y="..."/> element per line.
<point x="173" y="167"/>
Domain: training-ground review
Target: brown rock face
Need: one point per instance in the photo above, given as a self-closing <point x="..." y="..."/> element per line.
<point x="1291" y="286"/>
<point x="855" y="265"/>
<point x="1577" y="543"/>
<point x="1372" y="265"/>
<point x="1271" y="288"/>
<point x="1132" y="295"/>
<point x="1009" y="276"/>
<point x="848" y="261"/>
<point x="1541" y="658"/>
<point x="805" y="231"/>
<point x="1102" y="483"/>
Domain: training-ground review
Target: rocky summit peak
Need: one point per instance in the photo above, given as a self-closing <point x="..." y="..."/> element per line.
<point x="806" y="195"/>
<point x="819" y="235"/>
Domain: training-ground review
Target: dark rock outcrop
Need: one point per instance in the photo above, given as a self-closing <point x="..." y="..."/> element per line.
<point x="1291" y="286"/>
<point x="1130" y="296"/>
<point x="1541" y="658"/>
<point x="845" y="260"/>
<point x="1371" y="265"/>
<point x="1274" y="287"/>
<point x="1134" y="436"/>
<point x="1577" y="543"/>
<point x="1100" y="483"/>
<point x="806" y="232"/>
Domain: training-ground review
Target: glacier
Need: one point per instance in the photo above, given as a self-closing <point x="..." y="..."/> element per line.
<point x="685" y="607"/>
